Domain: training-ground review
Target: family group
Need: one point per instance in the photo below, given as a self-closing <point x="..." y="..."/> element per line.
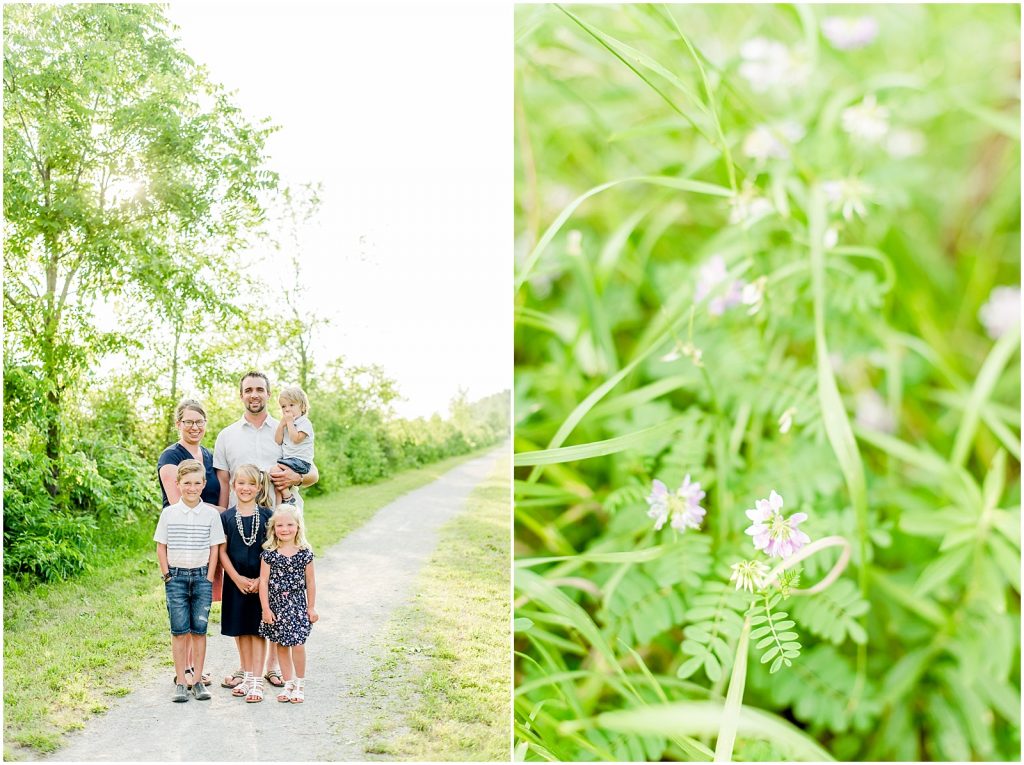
<point x="232" y="529"/>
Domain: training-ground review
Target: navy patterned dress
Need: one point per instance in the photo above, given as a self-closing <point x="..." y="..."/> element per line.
<point x="286" y="593"/>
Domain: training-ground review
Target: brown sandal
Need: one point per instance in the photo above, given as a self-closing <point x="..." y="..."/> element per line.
<point x="273" y="677"/>
<point x="233" y="680"/>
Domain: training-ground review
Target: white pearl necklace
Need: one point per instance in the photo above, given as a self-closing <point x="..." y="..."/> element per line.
<point x="255" y="527"/>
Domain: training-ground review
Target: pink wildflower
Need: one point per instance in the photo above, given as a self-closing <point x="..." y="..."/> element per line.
<point x="778" y="537"/>
<point x="681" y="506"/>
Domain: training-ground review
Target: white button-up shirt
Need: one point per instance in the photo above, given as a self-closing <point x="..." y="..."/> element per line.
<point x="189" y="533"/>
<point x="242" y="443"/>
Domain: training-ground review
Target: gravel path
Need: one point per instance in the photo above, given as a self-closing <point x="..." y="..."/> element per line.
<point x="360" y="581"/>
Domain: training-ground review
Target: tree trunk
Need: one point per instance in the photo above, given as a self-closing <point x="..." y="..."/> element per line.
<point x="169" y="425"/>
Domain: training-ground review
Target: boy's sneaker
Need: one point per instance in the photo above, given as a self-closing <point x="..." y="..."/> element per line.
<point x="289" y="501"/>
<point x="180" y="694"/>
<point x="200" y="691"/>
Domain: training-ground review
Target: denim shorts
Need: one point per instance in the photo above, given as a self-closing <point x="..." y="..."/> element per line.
<point x="299" y="466"/>
<point x="189" y="595"/>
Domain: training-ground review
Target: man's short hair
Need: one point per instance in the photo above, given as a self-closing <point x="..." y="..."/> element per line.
<point x="253" y="373"/>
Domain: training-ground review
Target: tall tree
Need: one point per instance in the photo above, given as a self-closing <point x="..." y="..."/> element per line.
<point x="296" y="211"/>
<point x="116" y="148"/>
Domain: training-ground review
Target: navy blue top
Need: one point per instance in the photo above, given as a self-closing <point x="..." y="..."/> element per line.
<point x="176" y="454"/>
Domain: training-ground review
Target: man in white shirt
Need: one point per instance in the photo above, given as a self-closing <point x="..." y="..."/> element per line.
<point x="250" y="440"/>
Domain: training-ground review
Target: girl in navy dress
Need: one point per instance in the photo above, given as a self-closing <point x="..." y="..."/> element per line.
<point x="287" y="596"/>
<point x="245" y="527"/>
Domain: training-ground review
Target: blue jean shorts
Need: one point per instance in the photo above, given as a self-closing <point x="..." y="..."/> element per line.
<point x="189" y="596"/>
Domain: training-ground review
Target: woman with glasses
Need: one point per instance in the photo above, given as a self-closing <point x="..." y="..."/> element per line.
<point x="190" y="420"/>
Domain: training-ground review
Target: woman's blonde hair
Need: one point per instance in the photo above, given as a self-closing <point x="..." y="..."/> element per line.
<point x="293" y="394"/>
<point x="272" y="542"/>
<point x="265" y="494"/>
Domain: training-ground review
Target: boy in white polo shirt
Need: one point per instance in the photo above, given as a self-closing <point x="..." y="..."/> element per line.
<point x="187" y="538"/>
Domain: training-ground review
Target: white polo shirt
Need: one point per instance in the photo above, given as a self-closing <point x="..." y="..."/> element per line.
<point x="189" y="533"/>
<point x="242" y="443"/>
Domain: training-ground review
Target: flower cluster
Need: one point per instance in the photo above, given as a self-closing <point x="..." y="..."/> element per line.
<point x="682" y="506"/>
<point x="769" y="64"/>
<point x="867" y="121"/>
<point x="772" y="141"/>
<point x="749" y="574"/>
<point x="711" y="275"/>
<point x="1001" y="311"/>
<point x="778" y="537"/>
<point x="845" y="33"/>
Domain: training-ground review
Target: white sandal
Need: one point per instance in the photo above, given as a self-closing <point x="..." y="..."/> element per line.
<point x="255" y="693"/>
<point x="286" y="693"/>
<point x="298" y="695"/>
<point x="243" y="688"/>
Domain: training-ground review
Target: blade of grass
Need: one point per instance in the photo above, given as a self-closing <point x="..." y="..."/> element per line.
<point x="633" y="556"/>
<point x="993" y="367"/>
<point x="627" y="54"/>
<point x="733" y="698"/>
<point x="835" y="419"/>
<point x="703" y="718"/>
<point x="682" y="184"/>
<point x="596" y="448"/>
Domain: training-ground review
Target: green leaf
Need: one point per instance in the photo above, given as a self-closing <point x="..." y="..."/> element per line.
<point x="689" y="666"/>
<point x="941" y="570"/>
<point x="712" y="668"/>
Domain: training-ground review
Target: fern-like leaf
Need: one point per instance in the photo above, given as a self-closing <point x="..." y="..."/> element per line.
<point x="776" y="636"/>
<point x="832" y="614"/>
<point x="713" y="619"/>
<point x="648" y="599"/>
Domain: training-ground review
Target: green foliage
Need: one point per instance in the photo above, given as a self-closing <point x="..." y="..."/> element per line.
<point x="645" y="600"/>
<point x="818" y="689"/>
<point x="865" y="388"/>
<point x="115" y="187"/>
<point x="833" y="614"/>
<point x="778" y="643"/>
<point x="713" y="619"/>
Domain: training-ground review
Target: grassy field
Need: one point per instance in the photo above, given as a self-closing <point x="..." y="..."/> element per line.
<point x="70" y="648"/>
<point x="450" y="648"/>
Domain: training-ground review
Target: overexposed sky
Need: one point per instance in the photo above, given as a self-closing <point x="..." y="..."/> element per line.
<point x="404" y="113"/>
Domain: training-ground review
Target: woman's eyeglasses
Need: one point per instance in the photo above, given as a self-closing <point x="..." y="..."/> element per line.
<point x="193" y="423"/>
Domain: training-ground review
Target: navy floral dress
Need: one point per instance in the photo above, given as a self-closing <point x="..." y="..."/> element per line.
<point x="286" y="593"/>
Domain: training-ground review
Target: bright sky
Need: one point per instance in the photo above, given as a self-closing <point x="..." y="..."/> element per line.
<point x="404" y="113"/>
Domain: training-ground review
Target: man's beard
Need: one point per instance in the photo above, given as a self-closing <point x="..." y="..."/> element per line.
<point x="263" y="406"/>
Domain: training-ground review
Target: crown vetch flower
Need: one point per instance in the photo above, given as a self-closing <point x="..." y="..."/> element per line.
<point x="768" y="64"/>
<point x="682" y="506"/>
<point x="778" y="537"/>
<point x="867" y="120"/>
<point x="1001" y="311"/>
<point x="849" y="33"/>
<point x="749" y="574"/>
<point x="713" y="273"/>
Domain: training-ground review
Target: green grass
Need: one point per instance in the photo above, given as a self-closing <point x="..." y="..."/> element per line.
<point x="449" y="649"/>
<point x="71" y="648"/>
<point x="640" y="140"/>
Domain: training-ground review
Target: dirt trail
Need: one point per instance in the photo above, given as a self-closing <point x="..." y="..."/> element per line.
<point x="360" y="582"/>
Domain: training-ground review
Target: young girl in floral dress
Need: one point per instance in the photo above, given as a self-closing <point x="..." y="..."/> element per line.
<point x="287" y="595"/>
